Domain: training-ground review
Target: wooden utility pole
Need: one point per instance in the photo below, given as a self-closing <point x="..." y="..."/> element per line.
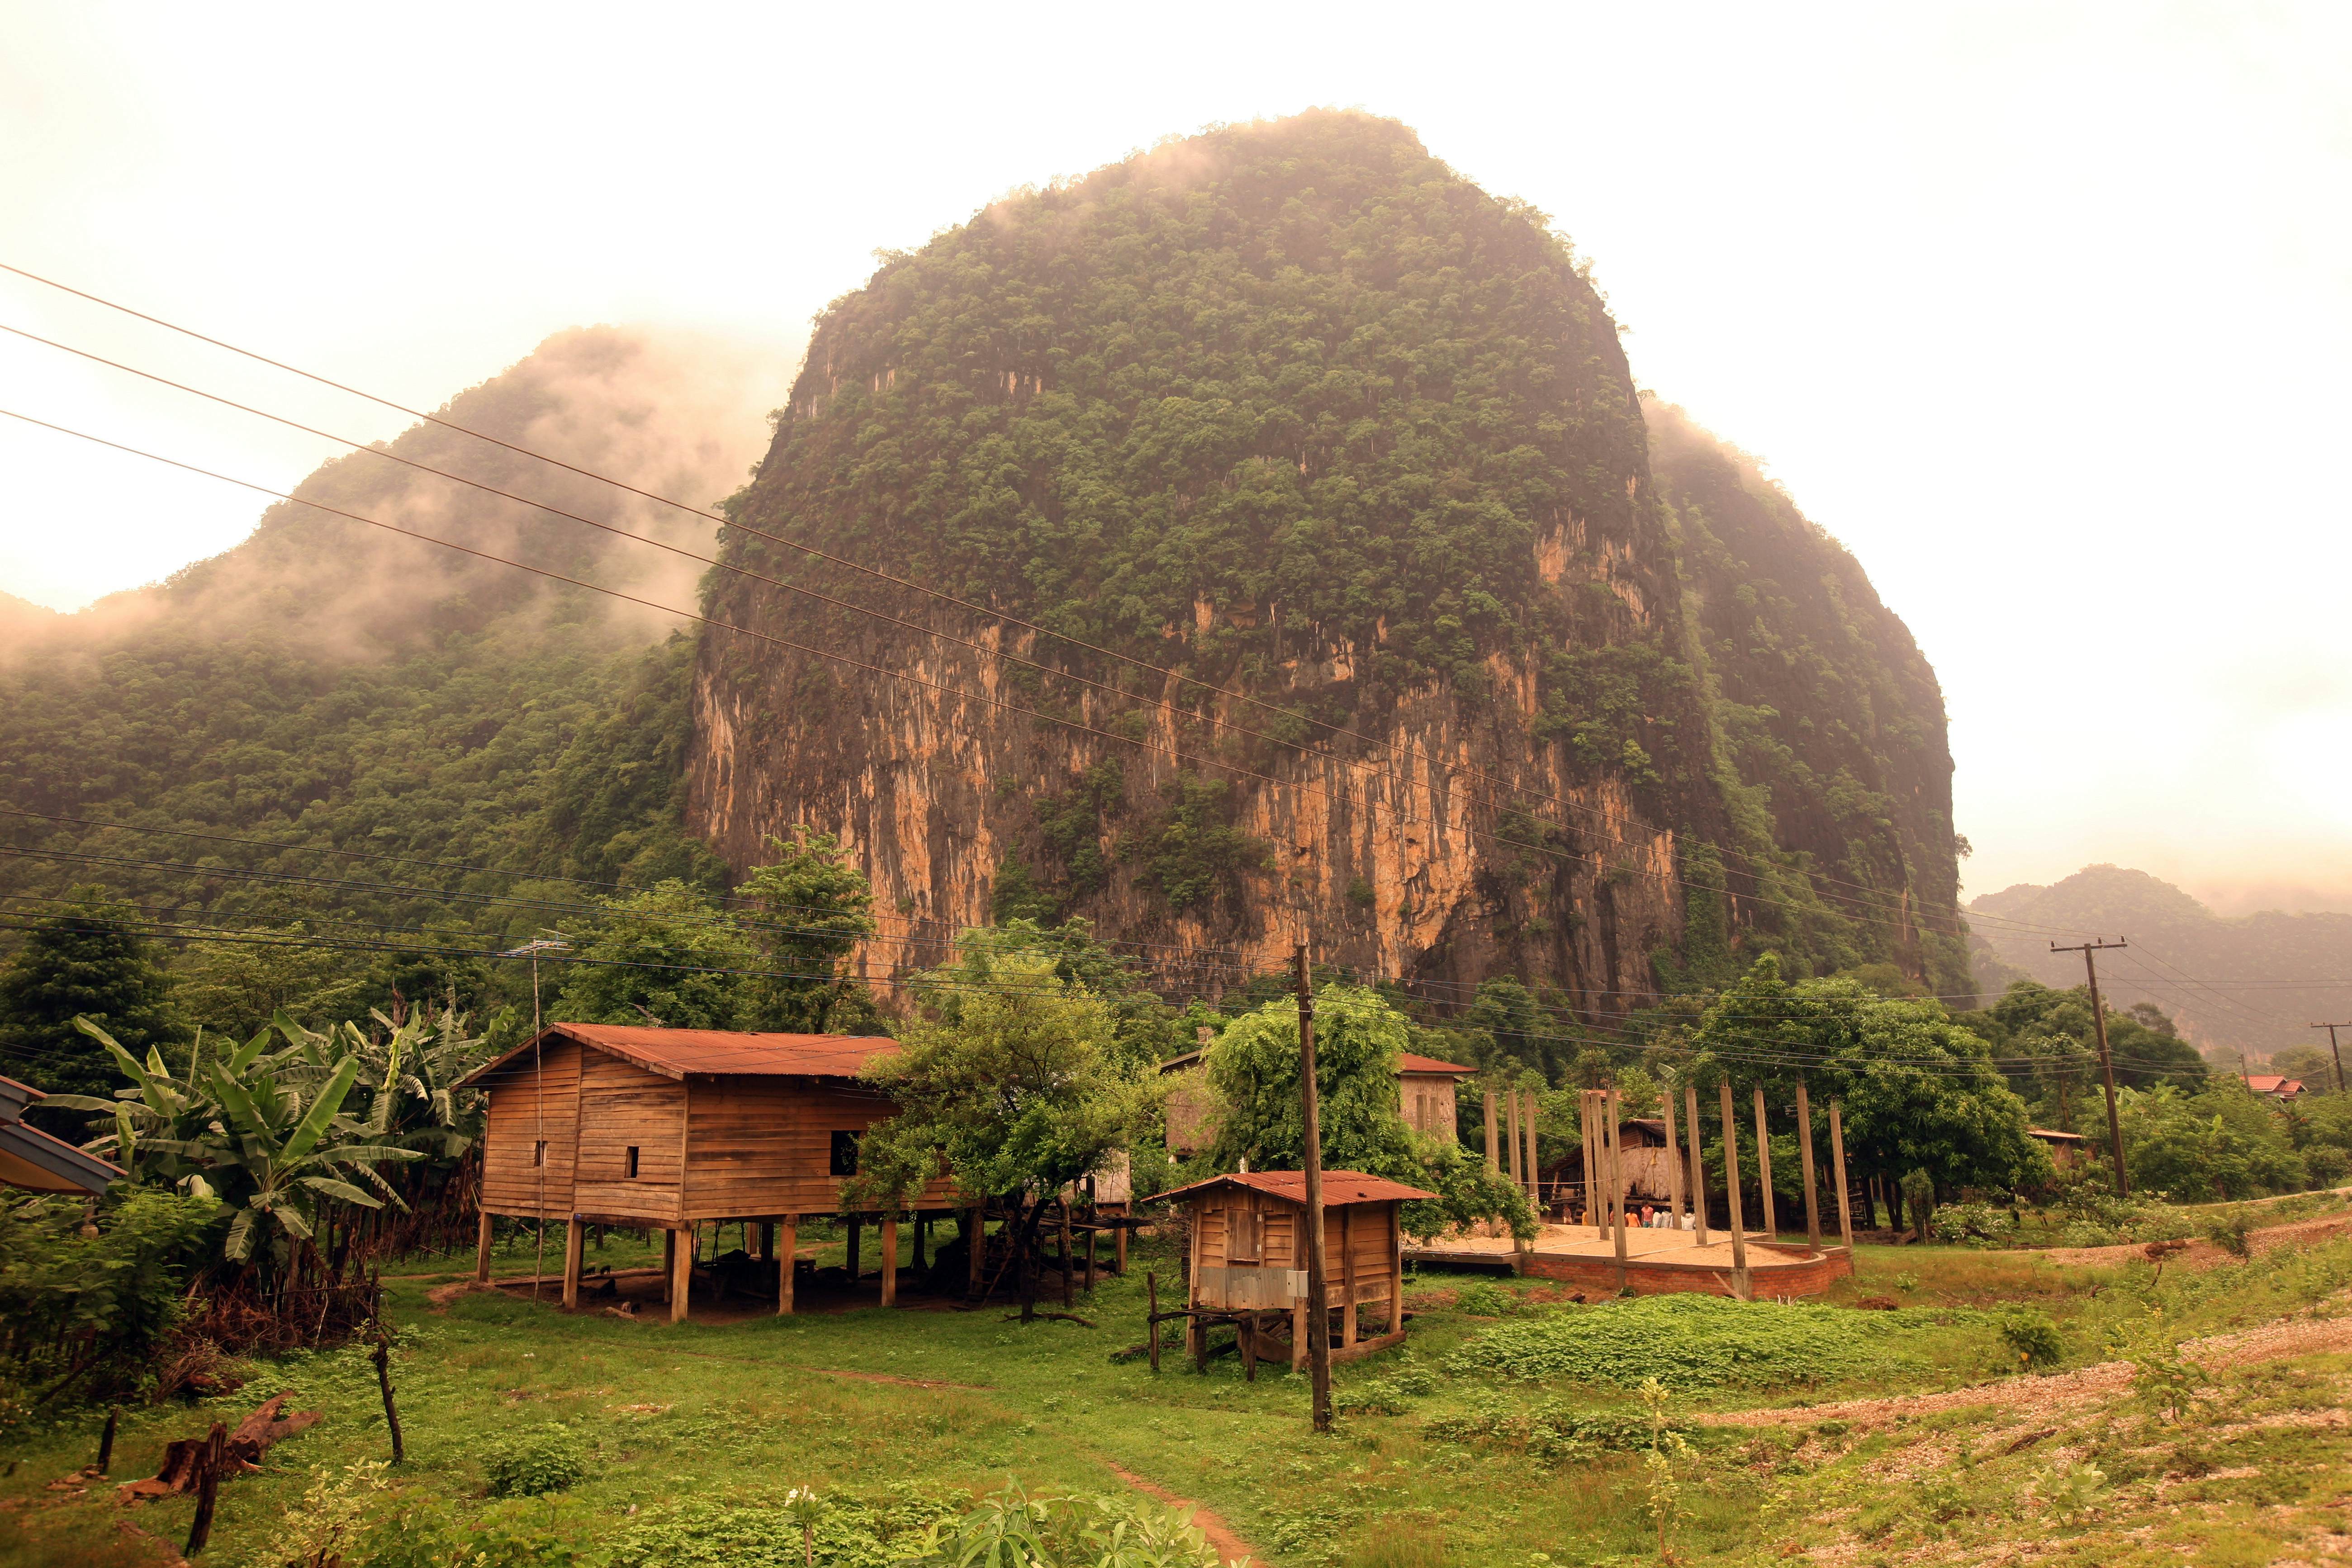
<point x="2090" y="949"/>
<point x="1698" y="1165"/>
<point x="1805" y="1155"/>
<point x="1617" y="1181"/>
<point x="2332" y="1050"/>
<point x="1674" y="1160"/>
<point x="1318" y="1307"/>
<point x="1739" y="1282"/>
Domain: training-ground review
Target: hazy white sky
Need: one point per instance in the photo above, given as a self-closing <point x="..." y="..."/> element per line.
<point x="2044" y="308"/>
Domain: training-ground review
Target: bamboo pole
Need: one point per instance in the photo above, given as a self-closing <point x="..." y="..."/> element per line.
<point x="1837" y="1162"/>
<point x="1697" y="1164"/>
<point x="1674" y="1161"/>
<point x="1740" y="1286"/>
<point x="1617" y="1179"/>
<point x="1805" y="1153"/>
<point x="1764" y="1165"/>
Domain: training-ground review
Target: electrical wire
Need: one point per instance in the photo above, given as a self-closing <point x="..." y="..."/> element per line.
<point x="1166" y="673"/>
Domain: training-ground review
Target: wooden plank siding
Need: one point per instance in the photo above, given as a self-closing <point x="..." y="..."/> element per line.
<point x="520" y="1117"/>
<point x="707" y="1147"/>
<point x="623" y="1106"/>
<point x="1369" y="1229"/>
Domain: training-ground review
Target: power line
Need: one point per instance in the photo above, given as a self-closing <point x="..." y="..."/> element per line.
<point x="1166" y="673"/>
<point x="1666" y="878"/>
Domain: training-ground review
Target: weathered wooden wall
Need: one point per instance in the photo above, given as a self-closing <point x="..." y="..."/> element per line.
<point x="520" y="1115"/>
<point x="623" y="1106"/>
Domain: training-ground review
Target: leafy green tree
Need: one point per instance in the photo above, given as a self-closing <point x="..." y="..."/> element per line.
<point x="1012" y="1084"/>
<point x="1920" y="1092"/>
<point x="237" y="987"/>
<point x="90" y="1299"/>
<point x="1253" y="1071"/>
<point x="86" y="961"/>
<point x="2147" y="1049"/>
<point x="813" y="908"/>
<point x="2221" y="1144"/>
<point x="667" y="956"/>
<point x="1145" y="1030"/>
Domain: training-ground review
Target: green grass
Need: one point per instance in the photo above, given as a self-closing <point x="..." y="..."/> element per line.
<point x="738" y="1414"/>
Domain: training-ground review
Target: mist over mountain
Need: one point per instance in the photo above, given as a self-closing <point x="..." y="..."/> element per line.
<point x="329" y="685"/>
<point x="2251" y="984"/>
<point x="1347" y="451"/>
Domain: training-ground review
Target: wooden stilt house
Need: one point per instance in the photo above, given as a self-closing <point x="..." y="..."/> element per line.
<point x="668" y="1129"/>
<point x="1248" y="1264"/>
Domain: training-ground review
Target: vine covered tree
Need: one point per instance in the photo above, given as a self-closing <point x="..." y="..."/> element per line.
<point x="86" y="961"/>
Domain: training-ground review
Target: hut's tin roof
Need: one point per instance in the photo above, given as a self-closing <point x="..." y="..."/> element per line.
<point x="713" y="1053"/>
<point x="1338" y="1186"/>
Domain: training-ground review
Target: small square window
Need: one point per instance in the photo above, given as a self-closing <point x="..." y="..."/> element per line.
<point x="844" y="1153"/>
<point x="539" y="1152"/>
<point x="629" y="1162"/>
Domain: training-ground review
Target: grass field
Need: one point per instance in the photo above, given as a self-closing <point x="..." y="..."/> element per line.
<point x="692" y="1434"/>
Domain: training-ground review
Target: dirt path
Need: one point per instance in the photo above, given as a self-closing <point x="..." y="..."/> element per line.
<point x="1231" y="1547"/>
<point x="2023" y="1397"/>
<point x="2204" y="1254"/>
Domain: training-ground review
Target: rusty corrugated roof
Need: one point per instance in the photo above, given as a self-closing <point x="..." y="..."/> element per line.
<point x="1408" y="1062"/>
<point x="716" y="1053"/>
<point x="1338" y="1186"/>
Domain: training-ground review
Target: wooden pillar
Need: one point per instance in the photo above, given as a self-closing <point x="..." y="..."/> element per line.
<point x="890" y="1258"/>
<point x="1805" y="1160"/>
<point x="1739" y="1283"/>
<point x="1588" y="1133"/>
<point x="849" y="1257"/>
<point x="1348" y="1274"/>
<point x="681" y="1281"/>
<point x="482" y="1251"/>
<point x="1511" y="1133"/>
<point x="1764" y="1165"/>
<point x="1067" y="1258"/>
<point x="1118" y="1242"/>
<point x="1674" y="1161"/>
<point x="788" y="1238"/>
<point x="1493" y="1163"/>
<point x="669" y="1260"/>
<point x="922" y="1234"/>
<point x="575" y="1243"/>
<point x="1298" y="1333"/>
<point x="1617" y="1178"/>
<point x="1697" y="1164"/>
<point x="1837" y="1168"/>
<point x="1531" y="1169"/>
<point x="1396" y="1268"/>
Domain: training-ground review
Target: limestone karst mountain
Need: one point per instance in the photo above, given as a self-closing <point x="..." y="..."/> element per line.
<point x="1367" y="598"/>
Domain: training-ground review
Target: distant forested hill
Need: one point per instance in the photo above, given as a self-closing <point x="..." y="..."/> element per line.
<point x="326" y="686"/>
<point x="2251" y="984"/>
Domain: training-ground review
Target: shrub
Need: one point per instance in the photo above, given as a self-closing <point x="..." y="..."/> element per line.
<point x="2227" y="1230"/>
<point x="1686" y="1342"/>
<point x="2032" y="1336"/>
<point x="1549" y="1432"/>
<point x="532" y="1462"/>
<point x="1962" y="1225"/>
<point x="846" y="1532"/>
<point x="1485" y="1299"/>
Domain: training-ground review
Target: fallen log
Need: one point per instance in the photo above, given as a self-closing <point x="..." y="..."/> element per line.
<point x="183" y="1467"/>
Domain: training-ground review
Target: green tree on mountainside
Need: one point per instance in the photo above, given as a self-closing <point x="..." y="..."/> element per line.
<point x="85" y="960"/>
<point x="669" y="957"/>
<point x="1011" y="1083"/>
<point x="811" y="907"/>
<point x="1253" y="1076"/>
<point x="236" y="985"/>
<point x="2146" y="1047"/>
<point x="1920" y="1092"/>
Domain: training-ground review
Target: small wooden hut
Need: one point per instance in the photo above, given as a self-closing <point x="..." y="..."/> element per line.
<point x="1248" y="1264"/>
<point x="668" y="1129"/>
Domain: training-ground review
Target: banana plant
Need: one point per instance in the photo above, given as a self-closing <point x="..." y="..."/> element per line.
<point x="410" y="1071"/>
<point x="282" y="1155"/>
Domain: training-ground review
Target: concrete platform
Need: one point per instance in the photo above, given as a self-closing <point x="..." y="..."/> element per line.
<point x="1657" y="1261"/>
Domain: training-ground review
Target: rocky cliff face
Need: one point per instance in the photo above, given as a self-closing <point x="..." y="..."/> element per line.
<point x="1353" y="600"/>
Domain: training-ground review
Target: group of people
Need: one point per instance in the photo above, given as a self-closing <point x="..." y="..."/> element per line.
<point x="1649" y="1216"/>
